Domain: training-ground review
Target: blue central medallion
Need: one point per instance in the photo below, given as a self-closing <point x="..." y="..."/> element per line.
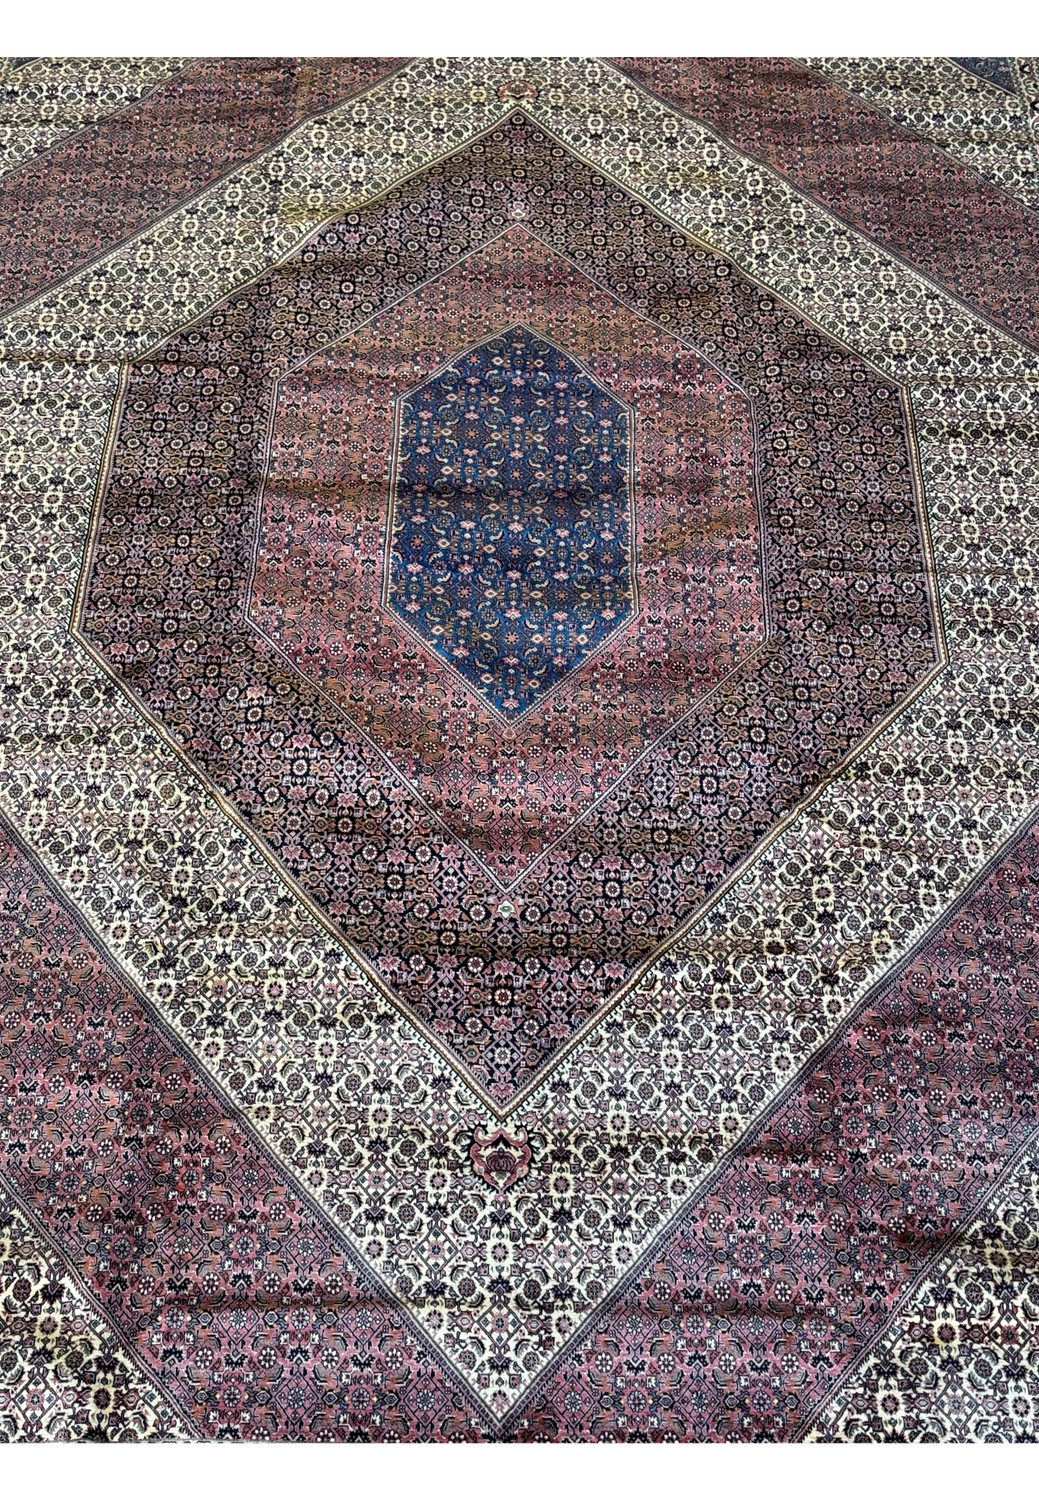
<point x="510" y="543"/>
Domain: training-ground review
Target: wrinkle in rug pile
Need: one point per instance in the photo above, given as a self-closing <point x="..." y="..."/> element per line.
<point x="519" y="773"/>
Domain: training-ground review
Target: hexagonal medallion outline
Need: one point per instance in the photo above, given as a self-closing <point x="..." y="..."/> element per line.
<point x="513" y="715"/>
<point x="624" y="638"/>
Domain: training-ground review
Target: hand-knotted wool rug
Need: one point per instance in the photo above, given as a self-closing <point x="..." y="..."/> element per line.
<point x="519" y="759"/>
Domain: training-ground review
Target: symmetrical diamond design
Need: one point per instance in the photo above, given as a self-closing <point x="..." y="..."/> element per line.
<point x="504" y="872"/>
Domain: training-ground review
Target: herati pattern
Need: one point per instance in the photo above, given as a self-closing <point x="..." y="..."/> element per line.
<point x="518" y="771"/>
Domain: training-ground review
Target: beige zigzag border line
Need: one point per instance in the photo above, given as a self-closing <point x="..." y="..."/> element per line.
<point x="978" y="123"/>
<point x="959" y="1362"/>
<point x="110" y="812"/>
<point x="49" y="99"/>
<point x="85" y="1386"/>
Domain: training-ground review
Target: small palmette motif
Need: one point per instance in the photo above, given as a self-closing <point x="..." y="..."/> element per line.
<point x="500" y="1158"/>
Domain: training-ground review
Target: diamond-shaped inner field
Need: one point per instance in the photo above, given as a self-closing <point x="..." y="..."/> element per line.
<point x="510" y="531"/>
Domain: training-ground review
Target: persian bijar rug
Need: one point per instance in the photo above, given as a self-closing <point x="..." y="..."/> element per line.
<point x="518" y="767"/>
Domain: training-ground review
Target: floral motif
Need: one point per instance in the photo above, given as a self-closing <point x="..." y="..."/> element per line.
<point x="995" y="70"/>
<point x="509" y="792"/>
<point x="224" y="1284"/>
<point x="48" y="98"/>
<point x="960" y="1362"/>
<point x="980" y="125"/>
